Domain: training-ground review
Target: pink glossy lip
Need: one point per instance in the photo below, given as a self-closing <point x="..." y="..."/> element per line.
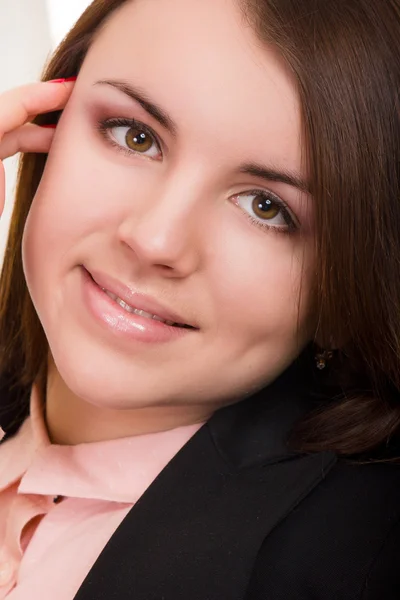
<point x="123" y="325"/>
<point x="137" y="300"/>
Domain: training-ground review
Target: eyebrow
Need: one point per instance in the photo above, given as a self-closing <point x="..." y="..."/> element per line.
<point x="140" y="96"/>
<point x="280" y="176"/>
<point x="165" y="120"/>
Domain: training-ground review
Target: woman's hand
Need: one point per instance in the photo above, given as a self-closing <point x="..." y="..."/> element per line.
<point x="18" y="107"/>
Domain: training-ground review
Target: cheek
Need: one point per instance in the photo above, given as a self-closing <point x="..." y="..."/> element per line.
<point x="60" y="213"/>
<point x="76" y="195"/>
<point x="264" y="284"/>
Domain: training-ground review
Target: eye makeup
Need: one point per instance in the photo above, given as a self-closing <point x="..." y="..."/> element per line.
<point x="104" y="127"/>
<point x="273" y="202"/>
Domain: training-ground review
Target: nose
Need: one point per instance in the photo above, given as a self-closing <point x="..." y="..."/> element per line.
<point x="165" y="229"/>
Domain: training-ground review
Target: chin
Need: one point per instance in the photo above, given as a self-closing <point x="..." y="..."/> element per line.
<point x="108" y="380"/>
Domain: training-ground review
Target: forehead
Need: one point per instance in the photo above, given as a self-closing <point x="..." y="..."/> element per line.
<point x="202" y="63"/>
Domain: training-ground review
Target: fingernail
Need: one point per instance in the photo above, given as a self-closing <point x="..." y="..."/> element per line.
<point x="49" y="126"/>
<point x="62" y="80"/>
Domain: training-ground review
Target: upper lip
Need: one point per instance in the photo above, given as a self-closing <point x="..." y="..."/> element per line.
<point x="136" y="299"/>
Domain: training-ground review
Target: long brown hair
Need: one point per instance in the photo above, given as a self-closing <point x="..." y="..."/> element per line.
<point x="345" y="59"/>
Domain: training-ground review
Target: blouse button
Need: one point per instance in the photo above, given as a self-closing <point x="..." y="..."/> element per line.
<point x="7" y="573"/>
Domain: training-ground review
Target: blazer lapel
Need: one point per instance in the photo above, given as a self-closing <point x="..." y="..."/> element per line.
<point x="196" y="531"/>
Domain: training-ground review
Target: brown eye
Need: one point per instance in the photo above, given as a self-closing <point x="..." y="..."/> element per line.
<point x="265" y="208"/>
<point x="131" y="137"/>
<point x="138" y="140"/>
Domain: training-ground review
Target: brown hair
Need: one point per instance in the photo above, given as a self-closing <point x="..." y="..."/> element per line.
<point x="345" y="58"/>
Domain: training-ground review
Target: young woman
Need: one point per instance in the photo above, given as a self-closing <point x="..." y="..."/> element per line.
<point x="199" y="306"/>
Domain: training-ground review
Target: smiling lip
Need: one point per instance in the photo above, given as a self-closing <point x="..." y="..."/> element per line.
<point x="135" y="299"/>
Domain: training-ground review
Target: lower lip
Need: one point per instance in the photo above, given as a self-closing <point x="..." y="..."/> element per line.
<point x="122" y="323"/>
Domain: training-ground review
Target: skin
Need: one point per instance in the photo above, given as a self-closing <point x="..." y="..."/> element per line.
<point x="167" y="224"/>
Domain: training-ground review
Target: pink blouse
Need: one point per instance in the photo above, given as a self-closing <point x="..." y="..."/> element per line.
<point x="48" y="544"/>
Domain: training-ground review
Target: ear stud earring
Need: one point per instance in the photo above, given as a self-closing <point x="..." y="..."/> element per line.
<point x="321" y="359"/>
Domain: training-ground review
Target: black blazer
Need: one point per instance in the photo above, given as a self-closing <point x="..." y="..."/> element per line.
<point x="236" y="515"/>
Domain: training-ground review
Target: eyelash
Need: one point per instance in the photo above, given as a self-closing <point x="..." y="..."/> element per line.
<point x="104" y="125"/>
<point x="292" y="226"/>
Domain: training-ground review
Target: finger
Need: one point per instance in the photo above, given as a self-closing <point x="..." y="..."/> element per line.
<point x="28" y="138"/>
<point x="19" y="104"/>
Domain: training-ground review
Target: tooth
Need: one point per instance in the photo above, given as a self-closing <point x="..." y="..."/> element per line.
<point x="136" y="311"/>
<point x="144" y="314"/>
<point x="111" y="295"/>
<point x="124" y="305"/>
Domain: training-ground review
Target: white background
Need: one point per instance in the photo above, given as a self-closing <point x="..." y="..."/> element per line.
<point x="29" y="32"/>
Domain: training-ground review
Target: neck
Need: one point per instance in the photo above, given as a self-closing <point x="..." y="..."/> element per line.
<point x="71" y="420"/>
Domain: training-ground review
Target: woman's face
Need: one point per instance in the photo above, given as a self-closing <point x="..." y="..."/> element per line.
<point x="166" y="206"/>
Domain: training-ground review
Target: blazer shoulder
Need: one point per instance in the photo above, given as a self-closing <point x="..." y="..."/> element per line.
<point x="384" y="574"/>
<point x="341" y="542"/>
